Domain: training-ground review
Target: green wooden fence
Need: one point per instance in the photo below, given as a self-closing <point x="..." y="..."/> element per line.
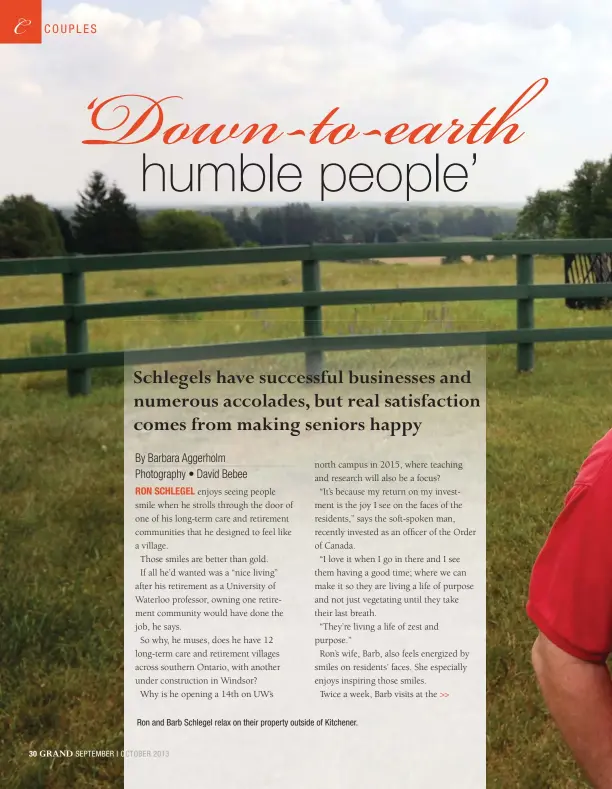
<point x="75" y="312"/>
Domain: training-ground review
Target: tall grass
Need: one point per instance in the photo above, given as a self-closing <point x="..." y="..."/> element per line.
<point x="61" y="512"/>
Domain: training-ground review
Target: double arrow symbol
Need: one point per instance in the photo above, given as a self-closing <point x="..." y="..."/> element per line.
<point x="444" y="695"/>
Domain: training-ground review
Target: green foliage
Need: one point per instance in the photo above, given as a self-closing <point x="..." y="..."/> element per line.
<point x="28" y="229"/>
<point x="542" y="213"/>
<point x="173" y="230"/>
<point x="601" y="225"/>
<point x="103" y="222"/>
<point x="126" y="234"/>
<point x="66" y="230"/>
<point x="426" y="227"/>
<point x="579" y="209"/>
<point x="386" y="235"/>
<point x="300" y="223"/>
<point x="90" y="229"/>
<point x="582" y="210"/>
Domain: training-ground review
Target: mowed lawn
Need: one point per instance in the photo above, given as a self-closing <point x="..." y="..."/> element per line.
<point x="61" y="488"/>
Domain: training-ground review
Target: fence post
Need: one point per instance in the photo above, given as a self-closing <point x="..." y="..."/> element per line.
<point x="313" y="316"/>
<point x="525" y="357"/>
<point x="77" y="340"/>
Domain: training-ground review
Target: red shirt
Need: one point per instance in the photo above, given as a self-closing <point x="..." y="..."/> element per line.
<point x="570" y="595"/>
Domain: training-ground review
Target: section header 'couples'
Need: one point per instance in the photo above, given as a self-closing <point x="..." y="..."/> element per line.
<point x="23" y="22"/>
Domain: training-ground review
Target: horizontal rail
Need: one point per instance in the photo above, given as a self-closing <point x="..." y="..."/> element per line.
<point x="75" y="312"/>
<point x="153" y="260"/>
<point x="509" y="248"/>
<point x="59" y="312"/>
<point x="259" y="301"/>
<point x="344" y="252"/>
<point x="80" y="361"/>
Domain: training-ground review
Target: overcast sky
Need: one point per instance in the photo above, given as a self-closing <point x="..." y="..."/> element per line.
<point x="382" y="62"/>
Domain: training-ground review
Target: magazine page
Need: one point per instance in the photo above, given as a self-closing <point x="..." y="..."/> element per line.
<point x="305" y="457"/>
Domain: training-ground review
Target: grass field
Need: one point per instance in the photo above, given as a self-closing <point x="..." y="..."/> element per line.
<point x="61" y="488"/>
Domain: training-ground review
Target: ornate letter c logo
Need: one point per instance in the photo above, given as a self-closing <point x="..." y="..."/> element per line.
<point x="22" y="23"/>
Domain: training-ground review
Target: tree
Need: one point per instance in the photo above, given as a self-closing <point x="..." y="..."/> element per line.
<point x="104" y="222"/>
<point x="174" y="230"/>
<point x="28" y="229"/>
<point x="426" y="227"/>
<point x="66" y="231"/>
<point x="271" y="226"/>
<point x="329" y="230"/>
<point x="89" y="227"/>
<point x="247" y="228"/>
<point x="601" y="202"/>
<point x="300" y="224"/>
<point x="579" y="209"/>
<point x="240" y="227"/>
<point x="122" y="218"/>
<point x="386" y="235"/>
<point x="541" y="216"/>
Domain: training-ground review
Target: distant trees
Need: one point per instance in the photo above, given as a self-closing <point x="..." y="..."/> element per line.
<point x="183" y="230"/>
<point x="295" y="223"/>
<point x="104" y="222"/>
<point x="28" y="229"/>
<point x="426" y="227"/>
<point x="386" y="235"/>
<point x="240" y="226"/>
<point x="300" y="223"/>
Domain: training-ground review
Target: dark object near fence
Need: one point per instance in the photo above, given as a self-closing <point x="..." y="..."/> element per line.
<point x="586" y="269"/>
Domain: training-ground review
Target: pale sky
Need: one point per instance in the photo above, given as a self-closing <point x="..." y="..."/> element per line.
<point x="383" y="62"/>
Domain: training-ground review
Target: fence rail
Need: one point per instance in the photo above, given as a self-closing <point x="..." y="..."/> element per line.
<point x="75" y="312"/>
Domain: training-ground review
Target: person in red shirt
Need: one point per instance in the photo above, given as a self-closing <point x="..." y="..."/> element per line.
<point x="570" y="602"/>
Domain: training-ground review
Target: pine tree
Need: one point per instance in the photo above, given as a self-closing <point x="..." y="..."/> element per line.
<point x="248" y="228"/>
<point x="88" y="220"/>
<point x="125" y="234"/>
<point x="104" y="222"/>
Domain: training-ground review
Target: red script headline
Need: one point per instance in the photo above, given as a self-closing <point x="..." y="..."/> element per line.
<point x="142" y="118"/>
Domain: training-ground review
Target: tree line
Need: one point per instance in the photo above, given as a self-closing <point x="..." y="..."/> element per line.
<point x="301" y="223"/>
<point x="583" y="209"/>
<point x="104" y="222"/>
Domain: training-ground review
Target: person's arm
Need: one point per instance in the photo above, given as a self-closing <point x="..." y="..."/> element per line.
<point x="570" y="602"/>
<point x="578" y="694"/>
